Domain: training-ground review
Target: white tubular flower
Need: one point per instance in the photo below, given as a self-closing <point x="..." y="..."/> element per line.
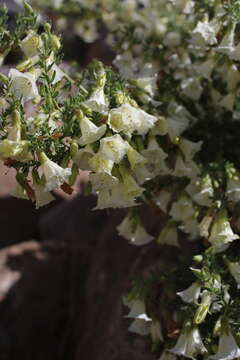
<point x="155" y="158"/>
<point x="227" y="347"/>
<point x="182" y="209"/>
<point x="138" y="237"/>
<point x="221" y="232"/>
<point x="227" y="44"/>
<point x="156" y="332"/>
<point x="54" y="174"/>
<point x="204" y="226"/>
<point x="131" y="188"/>
<point x="191" y="294"/>
<point x="191" y="227"/>
<point x="141" y="174"/>
<point x="140" y="327"/>
<point x="90" y="132"/>
<point x="205" y="69"/>
<point x="192" y="88"/>
<point x="100" y="165"/>
<point x="135" y="159"/>
<point x="31" y="44"/>
<point x="189" y="148"/>
<point x="201" y="190"/>
<point x="137" y="310"/>
<point x="234" y="269"/>
<point x="23" y="85"/>
<point x="127" y="118"/>
<point x="98" y="101"/>
<point x="233" y="189"/>
<point x="189" y="344"/>
<point x="169" y="235"/>
<point x="114" y="198"/>
<point x="205" y="33"/>
<point x="160" y="127"/>
<point x="19" y="192"/>
<point x="188" y="169"/>
<point x="163" y="199"/>
<point x="82" y="159"/>
<point x="235" y="55"/>
<point x="102" y="181"/>
<point x="42" y="197"/>
<point x="113" y="148"/>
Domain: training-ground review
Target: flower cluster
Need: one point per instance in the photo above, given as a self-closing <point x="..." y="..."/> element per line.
<point x="161" y="130"/>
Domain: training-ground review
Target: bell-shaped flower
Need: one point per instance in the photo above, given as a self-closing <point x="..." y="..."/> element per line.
<point x="189" y="344"/>
<point x="90" y="132"/>
<point x="114" y="198"/>
<point x="98" y="101"/>
<point x="227" y="347"/>
<point x="31" y="44"/>
<point x="155" y="158"/>
<point x="132" y="189"/>
<point x="113" y="148"/>
<point x="201" y="190"/>
<point x="185" y="168"/>
<point x="102" y="181"/>
<point x="128" y="118"/>
<point x="228" y="101"/>
<point x="13" y="147"/>
<point x="100" y="165"/>
<point x="135" y="159"/>
<point x="182" y="209"/>
<point x="19" y="192"/>
<point x="221" y="232"/>
<point x="233" y="77"/>
<point x="189" y="148"/>
<point x="160" y="127"/>
<point x="192" y="88"/>
<point x="233" y="188"/>
<point x="205" y="33"/>
<point x="42" y="197"/>
<point x="54" y="174"/>
<point x="137" y="309"/>
<point x="23" y="85"/>
<point x="140" y="327"/>
<point x="204" y="226"/>
<point x="234" y="268"/>
<point x="191" y="227"/>
<point x="206" y="300"/>
<point x="205" y="69"/>
<point x="82" y="159"/>
<point x="137" y="236"/>
<point x="191" y="294"/>
<point x="142" y="174"/>
<point x="169" y="235"/>
<point x="227" y="44"/>
<point x="162" y="200"/>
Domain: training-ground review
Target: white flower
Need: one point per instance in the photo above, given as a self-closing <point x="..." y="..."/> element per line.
<point x="102" y="181"/>
<point x="140" y="327"/>
<point x="82" y="158"/>
<point x="189" y="148"/>
<point x="191" y="294"/>
<point x="23" y="85"/>
<point x="191" y="227"/>
<point x="129" y="119"/>
<point x="221" y="232"/>
<point x="90" y="132"/>
<point x="188" y="169"/>
<point x="135" y="159"/>
<point x="234" y="269"/>
<point x="100" y="165"/>
<point x="204" y="226"/>
<point x="205" y="69"/>
<point x="227" y="347"/>
<point x="54" y="174"/>
<point x="131" y="188"/>
<point x="19" y="192"/>
<point x="233" y="77"/>
<point x="201" y="190"/>
<point x="192" y="88"/>
<point x="137" y="310"/>
<point x="113" y="148"/>
<point x="138" y="236"/>
<point x="141" y="174"/>
<point x="42" y="197"/>
<point x="86" y="29"/>
<point x="114" y="198"/>
<point x="160" y="127"/>
<point x="155" y="158"/>
<point x="98" y="101"/>
<point x="227" y="44"/>
<point x="163" y="199"/>
<point x="182" y="209"/>
<point x="31" y="44"/>
<point x="169" y="235"/>
<point x="228" y="101"/>
<point x="189" y="344"/>
<point x="233" y="189"/>
<point x="205" y="33"/>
